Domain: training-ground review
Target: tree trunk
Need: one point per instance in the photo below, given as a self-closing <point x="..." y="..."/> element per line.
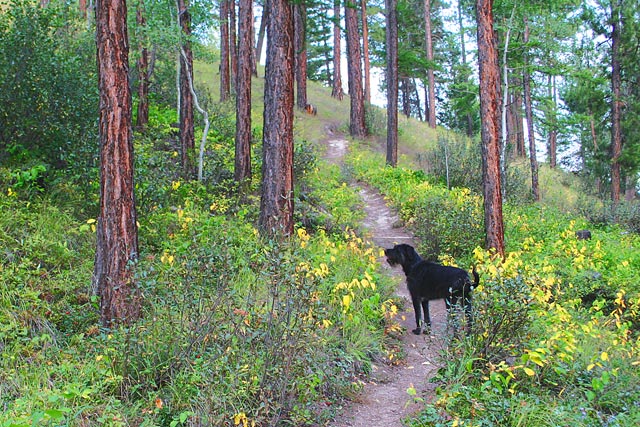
<point x="336" y="90"/>
<point x="225" y="79"/>
<point x="261" y="31"/>
<point x="276" y="204"/>
<point x="535" y="188"/>
<point x="300" y="47"/>
<point x="242" y="170"/>
<point x="357" y="127"/>
<point x="365" y="52"/>
<point x="553" y="127"/>
<point x="117" y="233"/>
<point x="392" y="81"/>
<point x="431" y="112"/>
<point x="616" y="130"/>
<point x="406" y="96"/>
<point x="489" y="73"/>
<point x="233" y="44"/>
<point x="143" y="70"/>
<point x="463" y="58"/>
<point x="187" y="131"/>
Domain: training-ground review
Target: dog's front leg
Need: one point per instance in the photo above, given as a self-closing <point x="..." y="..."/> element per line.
<point x="418" y="311"/>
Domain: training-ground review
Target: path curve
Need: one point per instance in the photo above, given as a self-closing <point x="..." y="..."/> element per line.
<point x="384" y="401"/>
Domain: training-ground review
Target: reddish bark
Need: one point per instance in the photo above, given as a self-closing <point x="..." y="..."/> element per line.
<point x="365" y="52"/>
<point x="392" y="81"/>
<point x="143" y="72"/>
<point x="357" y="127"/>
<point x="276" y="203"/>
<point x="300" y="47"/>
<point x="490" y="126"/>
<point x="242" y="170"/>
<point x="336" y="90"/>
<point x="225" y="82"/>
<point x="233" y="44"/>
<point x="117" y="233"/>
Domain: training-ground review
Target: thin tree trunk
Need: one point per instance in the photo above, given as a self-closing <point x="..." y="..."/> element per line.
<point x="392" y="81"/>
<point x="143" y="70"/>
<point x="431" y="112"/>
<point x="300" y="47"/>
<point x="242" y="170"/>
<point x="276" y="204"/>
<point x="505" y="97"/>
<point x="261" y="32"/>
<point x="117" y="233"/>
<point x="365" y="52"/>
<point x="553" y="128"/>
<point x="225" y="79"/>
<point x="187" y="131"/>
<point x="535" y="188"/>
<point x="616" y="130"/>
<point x="414" y="86"/>
<point x="463" y="58"/>
<point x="406" y="96"/>
<point x="357" y="126"/>
<point x="489" y="72"/>
<point x="336" y="90"/>
<point x="233" y="44"/>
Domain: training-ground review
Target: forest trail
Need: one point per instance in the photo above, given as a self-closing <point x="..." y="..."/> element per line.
<point x="384" y="401"/>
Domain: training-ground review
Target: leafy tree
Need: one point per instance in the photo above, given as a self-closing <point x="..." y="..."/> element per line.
<point x="47" y="89"/>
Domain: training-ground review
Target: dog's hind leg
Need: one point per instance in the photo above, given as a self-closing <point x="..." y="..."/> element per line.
<point x="427" y="316"/>
<point x="418" y="311"/>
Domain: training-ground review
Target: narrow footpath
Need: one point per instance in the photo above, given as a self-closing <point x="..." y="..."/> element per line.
<point x="384" y="400"/>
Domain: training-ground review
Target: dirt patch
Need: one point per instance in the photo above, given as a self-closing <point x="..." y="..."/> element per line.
<point x="384" y="400"/>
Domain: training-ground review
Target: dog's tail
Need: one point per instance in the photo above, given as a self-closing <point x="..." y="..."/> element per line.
<point x="476" y="277"/>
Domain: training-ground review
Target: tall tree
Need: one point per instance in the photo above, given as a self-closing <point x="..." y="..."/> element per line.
<point x="365" y="52"/>
<point x="225" y="78"/>
<point x="336" y="89"/>
<point x="533" y="161"/>
<point x="187" y="126"/>
<point x="357" y="127"/>
<point x="616" y="100"/>
<point x="143" y="68"/>
<point x="276" y="203"/>
<point x="431" y="112"/>
<point x="392" y="81"/>
<point x="300" y="47"/>
<point x="233" y="43"/>
<point x="489" y="73"/>
<point x="117" y="233"/>
<point x="242" y="170"/>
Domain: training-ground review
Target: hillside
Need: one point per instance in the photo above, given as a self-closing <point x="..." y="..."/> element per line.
<point x="242" y="331"/>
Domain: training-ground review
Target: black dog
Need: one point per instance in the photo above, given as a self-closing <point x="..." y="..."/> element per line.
<point x="428" y="281"/>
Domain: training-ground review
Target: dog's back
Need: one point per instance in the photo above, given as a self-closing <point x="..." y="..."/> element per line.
<point x="438" y="281"/>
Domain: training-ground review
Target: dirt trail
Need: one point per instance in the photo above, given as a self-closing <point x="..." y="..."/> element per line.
<point x="384" y="400"/>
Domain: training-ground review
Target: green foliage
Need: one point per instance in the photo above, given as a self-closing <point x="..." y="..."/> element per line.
<point x="47" y="89"/>
<point x="556" y="325"/>
<point x="235" y="328"/>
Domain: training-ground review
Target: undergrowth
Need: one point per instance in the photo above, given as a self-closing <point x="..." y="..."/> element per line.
<point x="555" y="339"/>
<point x="236" y="329"/>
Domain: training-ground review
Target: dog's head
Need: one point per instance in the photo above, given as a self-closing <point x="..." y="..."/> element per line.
<point x="402" y="254"/>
